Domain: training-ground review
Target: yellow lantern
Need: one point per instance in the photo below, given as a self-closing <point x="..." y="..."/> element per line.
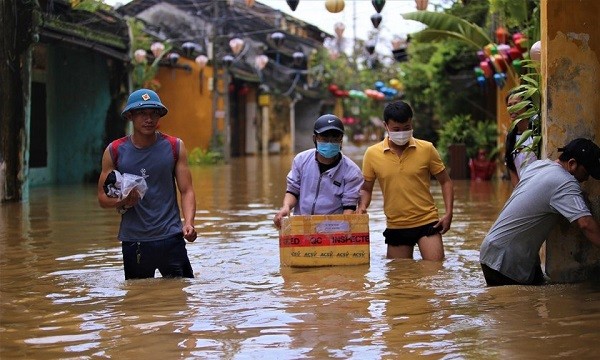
<point x="334" y="6"/>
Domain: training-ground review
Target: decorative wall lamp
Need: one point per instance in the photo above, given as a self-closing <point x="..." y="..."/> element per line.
<point x="140" y="56"/>
<point x="278" y="38"/>
<point x="227" y="60"/>
<point x="201" y="60"/>
<point x="157" y="49"/>
<point x="260" y="61"/>
<point x="236" y="45"/>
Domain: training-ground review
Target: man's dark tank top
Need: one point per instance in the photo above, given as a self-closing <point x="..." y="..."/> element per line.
<point x="156" y="216"/>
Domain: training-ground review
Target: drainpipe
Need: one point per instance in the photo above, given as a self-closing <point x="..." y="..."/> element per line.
<point x="295" y="99"/>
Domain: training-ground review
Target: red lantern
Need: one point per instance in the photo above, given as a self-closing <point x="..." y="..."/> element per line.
<point x="522" y="44"/>
<point x="501" y="35"/>
<point x="333" y="88"/>
<point x="514" y="53"/>
<point x="339" y="93"/>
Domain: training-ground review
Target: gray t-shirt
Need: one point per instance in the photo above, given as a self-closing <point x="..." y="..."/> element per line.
<point x="544" y="193"/>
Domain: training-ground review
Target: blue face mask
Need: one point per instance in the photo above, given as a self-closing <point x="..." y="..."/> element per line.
<point x="328" y="150"/>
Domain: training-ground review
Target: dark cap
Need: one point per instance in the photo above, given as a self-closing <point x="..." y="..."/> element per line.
<point x="586" y="153"/>
<point x="328" y="122"/>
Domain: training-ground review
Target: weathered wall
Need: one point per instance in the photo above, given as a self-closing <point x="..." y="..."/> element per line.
<point x="571" y="77"/>
<point x="189" y="100"/>
<point x="77" y="101"/>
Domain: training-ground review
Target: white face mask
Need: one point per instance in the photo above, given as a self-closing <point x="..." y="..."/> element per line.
<point x="400" y="137"/>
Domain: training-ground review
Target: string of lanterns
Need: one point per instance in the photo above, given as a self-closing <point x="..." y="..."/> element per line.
<point x="499" y="58"/>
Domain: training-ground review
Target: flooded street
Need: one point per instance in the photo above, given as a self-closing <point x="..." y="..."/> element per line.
<point x="63" y="293"/>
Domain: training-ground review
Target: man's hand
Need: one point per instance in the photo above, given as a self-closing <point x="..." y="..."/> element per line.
<point x="189" y="233"/>
<point x="285" y="211"/>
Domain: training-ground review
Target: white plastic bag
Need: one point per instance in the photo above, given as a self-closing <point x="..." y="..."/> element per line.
<point x="130" y="182"/>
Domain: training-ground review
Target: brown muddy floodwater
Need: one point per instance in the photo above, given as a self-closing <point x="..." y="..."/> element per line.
<point x="63" y="294"/>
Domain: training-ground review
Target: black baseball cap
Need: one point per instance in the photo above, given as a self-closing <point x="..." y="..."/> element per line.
<point x="586" y="153"/>
<point x="328" y="122"/>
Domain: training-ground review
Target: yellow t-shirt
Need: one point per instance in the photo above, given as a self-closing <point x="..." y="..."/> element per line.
<point x="405" y="181"/>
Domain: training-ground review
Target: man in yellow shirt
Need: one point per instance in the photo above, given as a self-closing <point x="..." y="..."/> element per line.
<point x="403" y="167"/>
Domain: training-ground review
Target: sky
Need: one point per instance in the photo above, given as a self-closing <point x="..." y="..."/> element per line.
<point x="355" y="16"/>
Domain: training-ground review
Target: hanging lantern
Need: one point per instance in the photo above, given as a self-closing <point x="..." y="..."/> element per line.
<point x="334" y="6"/>
<point x="517" y="65"/>
<point x="339" y="29"/>
<point x="522" y="44"/>
<point x="535" y="53"/>
<point x="488" y="49"/>
<point x="370" y="47"/>
<point x="376" y="20"/>
<point x="378" y="5"/>
<point x="250" y="3"/>
<point x="514" y="53"/>
<point x="188" y="48"/>
<point x="481" y="81"/>
<point x="422" y="4"/>
<point x="201" y="60"/>
<point x="140" y="56"/>
<point x="157" y="49"/>
<point x="480" y="55"/>
<point x="278" y="38"/>
<point x="503" y="49"/>
<point x="261" y="61"/>
<point x="173" y="58"/>
<point x="228" y="60"/>
<point x="236" y="45"/>
<point x="501" y="35"/>
<point x="487" y="69"/>
<point x="499" y="64"/>
<point x="500" y="80"/>
<point x="298" y="57"/>
<point x="398" y="42"/>
<point x="293" y="4"/>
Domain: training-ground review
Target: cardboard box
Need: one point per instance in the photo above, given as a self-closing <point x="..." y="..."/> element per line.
<point x="324" y="240"/>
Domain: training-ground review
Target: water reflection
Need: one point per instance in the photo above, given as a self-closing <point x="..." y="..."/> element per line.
<point x="63" y="294"/>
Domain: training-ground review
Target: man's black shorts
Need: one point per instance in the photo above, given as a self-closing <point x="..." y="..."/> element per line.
<point x="409" y="237"/>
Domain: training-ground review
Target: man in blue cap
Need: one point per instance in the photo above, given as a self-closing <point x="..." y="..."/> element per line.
<point x="547" y="190"/>
<point x="151" y="232"/>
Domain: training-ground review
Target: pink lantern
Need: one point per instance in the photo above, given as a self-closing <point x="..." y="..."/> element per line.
<point x="339" y="28"/>
<point x="236" y="45"/>
<point x="201" y="60"/>
<point x="487" y="69"/>
<point x="140" y="56"/>
<point x="261" y="61"/>
<point x="157" y="49"/>
<point x="422" y="4"/>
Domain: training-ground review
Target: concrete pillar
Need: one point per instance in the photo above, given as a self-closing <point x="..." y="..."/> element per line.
<point x="571" y="108"/>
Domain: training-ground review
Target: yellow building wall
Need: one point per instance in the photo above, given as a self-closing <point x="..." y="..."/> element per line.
<point x="187" y="96"/>
<point x="571" y="108"/>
